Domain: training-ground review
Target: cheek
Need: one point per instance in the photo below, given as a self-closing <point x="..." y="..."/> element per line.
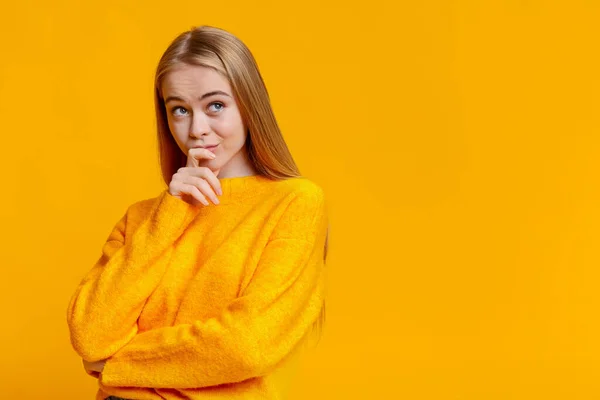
<point x="178" y="135"/>
<point x="225" y="126"/>
<point x="232" y="131"/>
<point x="234" y="140"/>
<point x="232" y="123"/>
<point x="177" y="128"/>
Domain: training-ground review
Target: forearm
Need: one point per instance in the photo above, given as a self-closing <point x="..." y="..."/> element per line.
<point x="103" y="312"/>
<point x="249" y="338"/>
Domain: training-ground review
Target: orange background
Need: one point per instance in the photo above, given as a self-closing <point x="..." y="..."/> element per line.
<point x="457" y="142"/>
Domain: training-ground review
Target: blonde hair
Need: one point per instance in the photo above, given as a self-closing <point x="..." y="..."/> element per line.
<point x="216" y="48"/>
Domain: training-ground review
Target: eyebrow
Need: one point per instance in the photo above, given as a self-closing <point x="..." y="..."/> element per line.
<point x="205" y="95"/>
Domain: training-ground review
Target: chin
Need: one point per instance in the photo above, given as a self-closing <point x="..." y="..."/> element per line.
<point x="213" y="164"/>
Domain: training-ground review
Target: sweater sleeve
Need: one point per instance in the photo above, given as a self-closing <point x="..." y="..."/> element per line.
<point x="253" y="333"/>
<point x="102" y="313"/>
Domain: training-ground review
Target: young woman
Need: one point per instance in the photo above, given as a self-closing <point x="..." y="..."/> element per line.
<point x="209" y="289"/>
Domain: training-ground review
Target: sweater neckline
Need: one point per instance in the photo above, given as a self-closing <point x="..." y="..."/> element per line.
<point x="238" y="188"/>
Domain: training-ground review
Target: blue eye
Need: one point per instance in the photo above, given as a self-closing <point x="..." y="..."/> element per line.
<point x="217" y="103"/>
<point x="175" y="108"/>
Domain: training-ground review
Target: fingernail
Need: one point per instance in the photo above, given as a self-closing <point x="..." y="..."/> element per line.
<point x="219" y="192"/>
<point x="212" y="155"/>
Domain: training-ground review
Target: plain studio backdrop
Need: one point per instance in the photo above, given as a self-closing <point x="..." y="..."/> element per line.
<point x="457" y="142"/>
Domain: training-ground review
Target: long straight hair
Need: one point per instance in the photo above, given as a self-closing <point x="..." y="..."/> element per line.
<point x="220" y="50"/>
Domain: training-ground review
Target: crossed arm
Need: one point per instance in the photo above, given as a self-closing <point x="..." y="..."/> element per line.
<point x="251" y="335"/>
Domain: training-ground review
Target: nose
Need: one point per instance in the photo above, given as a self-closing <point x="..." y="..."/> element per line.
<point x="199" y="126"/>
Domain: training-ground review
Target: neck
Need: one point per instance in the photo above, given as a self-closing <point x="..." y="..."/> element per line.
<point x="238" y="166"/>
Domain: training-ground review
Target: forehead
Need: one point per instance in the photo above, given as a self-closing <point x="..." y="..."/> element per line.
<point x="193" y="79"/>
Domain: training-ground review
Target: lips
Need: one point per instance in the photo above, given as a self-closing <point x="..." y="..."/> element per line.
<point x="210" y="147"/>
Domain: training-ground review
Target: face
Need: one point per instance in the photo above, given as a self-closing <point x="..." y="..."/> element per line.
<point x="201" y="111"/>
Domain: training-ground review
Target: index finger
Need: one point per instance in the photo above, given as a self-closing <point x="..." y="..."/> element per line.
<point x="198" y="153"/>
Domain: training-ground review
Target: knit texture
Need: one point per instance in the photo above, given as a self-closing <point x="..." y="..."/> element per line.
<point x="205" y="302"/>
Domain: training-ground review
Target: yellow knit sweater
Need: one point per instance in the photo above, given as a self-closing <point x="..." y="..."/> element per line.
<point x="205" y="302"/>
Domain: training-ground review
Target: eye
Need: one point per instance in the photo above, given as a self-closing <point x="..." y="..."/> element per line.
<point x="216" y="103"/>
<point x="176" y="108"/>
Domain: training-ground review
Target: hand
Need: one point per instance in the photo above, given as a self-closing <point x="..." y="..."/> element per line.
<point x="193" y="183"/>
<point x="97" y="366"/>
